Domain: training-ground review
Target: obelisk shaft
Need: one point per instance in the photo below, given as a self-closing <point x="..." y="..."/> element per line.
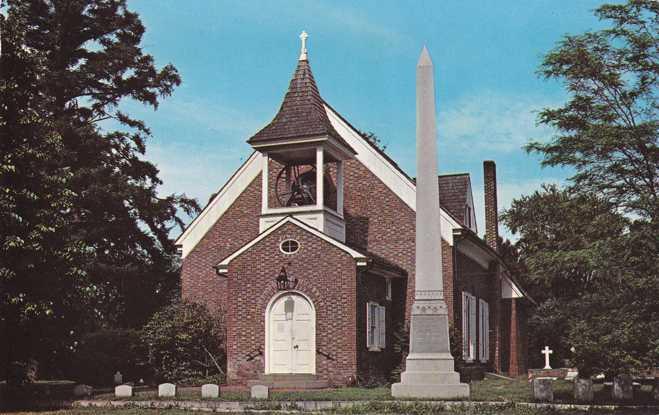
<point x="429" y="371"/>
<point x="429" y="284"/>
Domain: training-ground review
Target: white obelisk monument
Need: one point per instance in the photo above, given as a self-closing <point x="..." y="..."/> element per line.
<point x="429" y="371"/>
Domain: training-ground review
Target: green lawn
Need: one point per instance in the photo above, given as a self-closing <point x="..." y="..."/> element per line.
<point x="492" y="388"/>
<point x="407" y="408"/>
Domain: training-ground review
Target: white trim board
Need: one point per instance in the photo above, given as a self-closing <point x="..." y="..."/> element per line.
<point x="402" y="187"/>
<point x="509" y="289"/>
<point x="359" y="257"/>
<point x="220" y="203"/>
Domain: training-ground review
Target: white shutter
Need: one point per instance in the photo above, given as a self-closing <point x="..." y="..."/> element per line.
<point x="465" y="326"/>
<point x="382" y="323"/>
<point x="482" y="331"/>
<point x="368" y="325"/>
<point x="472" y="327"/>
<point x="487" y="331"/>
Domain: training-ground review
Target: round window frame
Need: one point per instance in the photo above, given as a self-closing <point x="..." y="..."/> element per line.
<point x="281" y="246"/>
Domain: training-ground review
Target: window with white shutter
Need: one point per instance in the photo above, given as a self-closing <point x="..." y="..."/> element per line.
<point x="468" y="326"/>
<point x="375" y="327"/>
<point x="484" y="331"/>
<point x="465" y="326"/>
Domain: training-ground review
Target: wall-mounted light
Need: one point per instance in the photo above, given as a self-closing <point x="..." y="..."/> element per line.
<point x="284" y="282"/>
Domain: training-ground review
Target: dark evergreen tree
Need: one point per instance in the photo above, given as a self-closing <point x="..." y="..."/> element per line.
<point x="79" y="199"/>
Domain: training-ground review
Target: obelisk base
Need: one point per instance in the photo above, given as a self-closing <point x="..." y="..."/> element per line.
<point x="429" y="370"/>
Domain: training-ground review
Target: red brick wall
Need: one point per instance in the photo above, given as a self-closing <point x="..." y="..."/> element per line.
<point x="375" y="367"/>
<point x="477" y="281"/>
<point x="491" y="207"/>
<point x="238" y="225"/>
<point x="379" y="222"/>
<point x="327" y="275"/>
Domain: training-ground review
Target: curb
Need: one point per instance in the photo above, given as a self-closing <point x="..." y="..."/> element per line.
<point x="317" y="406"/>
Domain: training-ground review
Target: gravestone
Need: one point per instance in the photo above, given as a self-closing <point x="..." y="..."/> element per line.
<point x="123" y="391"/>
<point x="571" y="374"/>
<point x="210" y="391"/>
<point x="542" y="390"/>
<point x="623" y="390"/>
<point x="118" y="378"/>
<point x="166" y="390"/>
<point x="82" y="390"/>
<point x="583" y="390"/>
<point x="259" y="392"/>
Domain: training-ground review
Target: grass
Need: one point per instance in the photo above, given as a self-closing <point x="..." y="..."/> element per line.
<point x="342" y="394"/>
<point x="492" y="388"/>
<point x="408" y="408"/>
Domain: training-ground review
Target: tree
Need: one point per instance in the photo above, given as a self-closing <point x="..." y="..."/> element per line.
<point x="608" y="129"/>
<point x="185" y="343"/>
<point x="590" y="249"/>
<point x="67" y="67"/>
<point x="558" y="248"/>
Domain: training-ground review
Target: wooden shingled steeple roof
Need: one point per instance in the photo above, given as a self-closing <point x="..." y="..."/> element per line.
<point x="302" y="113"/>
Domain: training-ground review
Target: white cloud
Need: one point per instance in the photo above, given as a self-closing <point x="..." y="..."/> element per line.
<point x="492" y="122"/>
<point x="355" y="21"/>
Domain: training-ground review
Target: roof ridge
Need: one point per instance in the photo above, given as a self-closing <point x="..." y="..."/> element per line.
<point x="453" y="174"/>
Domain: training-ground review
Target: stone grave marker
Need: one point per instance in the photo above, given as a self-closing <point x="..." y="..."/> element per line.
<point x="259" y="392"/>
<point x="210" y="390"/>
<point x="166" y="390"/>
<point x="623" y="389"/>
<point x="123" y="391"/>
<point x="118" y="378"/>
<point x="583" y="390"/>
<point x="542" y="390"/>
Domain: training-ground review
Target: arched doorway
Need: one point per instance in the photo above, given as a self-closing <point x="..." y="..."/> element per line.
<point x="290" y="334"/>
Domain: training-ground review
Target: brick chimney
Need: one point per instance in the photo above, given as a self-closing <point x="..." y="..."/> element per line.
<point x="491" y="214"/>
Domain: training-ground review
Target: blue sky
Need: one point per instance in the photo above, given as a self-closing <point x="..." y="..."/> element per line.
<point x="236" y="60"/>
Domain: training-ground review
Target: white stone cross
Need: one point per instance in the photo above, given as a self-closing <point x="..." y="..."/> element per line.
<point x="546" y="351"/>
<point x="303" y="51"/>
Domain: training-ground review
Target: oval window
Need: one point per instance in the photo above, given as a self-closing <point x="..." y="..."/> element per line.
<point x="289" y="246"/>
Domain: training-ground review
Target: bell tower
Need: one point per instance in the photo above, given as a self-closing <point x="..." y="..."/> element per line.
<point x="303" y="155"/>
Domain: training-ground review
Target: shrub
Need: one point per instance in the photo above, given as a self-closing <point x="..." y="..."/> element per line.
<point x="102" y="353"/>
<point x="185" y="343"/>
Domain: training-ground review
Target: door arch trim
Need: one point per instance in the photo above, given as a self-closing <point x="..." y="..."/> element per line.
<point x="268" y="308"/>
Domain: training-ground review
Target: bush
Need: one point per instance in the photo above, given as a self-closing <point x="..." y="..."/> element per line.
<point x="185" y="343"/>
<point x="102" y="353"/>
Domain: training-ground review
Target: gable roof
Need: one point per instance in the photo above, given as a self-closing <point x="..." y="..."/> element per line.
<point x="374" y="159"/>
<point x="453" y="190"/>
<point x="443" y="179"/>
<point x="302" y="113"/>
<point x="361" y="259"/>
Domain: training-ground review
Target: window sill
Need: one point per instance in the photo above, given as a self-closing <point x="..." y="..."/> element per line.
<point x="374" y="349"/>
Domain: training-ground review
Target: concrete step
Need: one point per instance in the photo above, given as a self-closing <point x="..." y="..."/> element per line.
<point x="287" y="376"/>
<point x="289" y="381"/>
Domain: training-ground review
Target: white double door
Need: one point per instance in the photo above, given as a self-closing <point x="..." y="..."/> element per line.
<point x="292" y="335"/>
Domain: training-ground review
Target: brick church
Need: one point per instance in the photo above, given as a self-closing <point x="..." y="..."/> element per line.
<point x="308" y="249"/>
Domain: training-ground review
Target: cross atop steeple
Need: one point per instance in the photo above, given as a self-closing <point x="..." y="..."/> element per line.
<point x="303" y="50"/>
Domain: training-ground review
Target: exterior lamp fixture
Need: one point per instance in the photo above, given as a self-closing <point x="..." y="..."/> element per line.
<point x="284" y="282"/>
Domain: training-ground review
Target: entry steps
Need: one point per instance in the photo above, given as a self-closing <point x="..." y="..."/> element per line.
<point x="289" y="381"/>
